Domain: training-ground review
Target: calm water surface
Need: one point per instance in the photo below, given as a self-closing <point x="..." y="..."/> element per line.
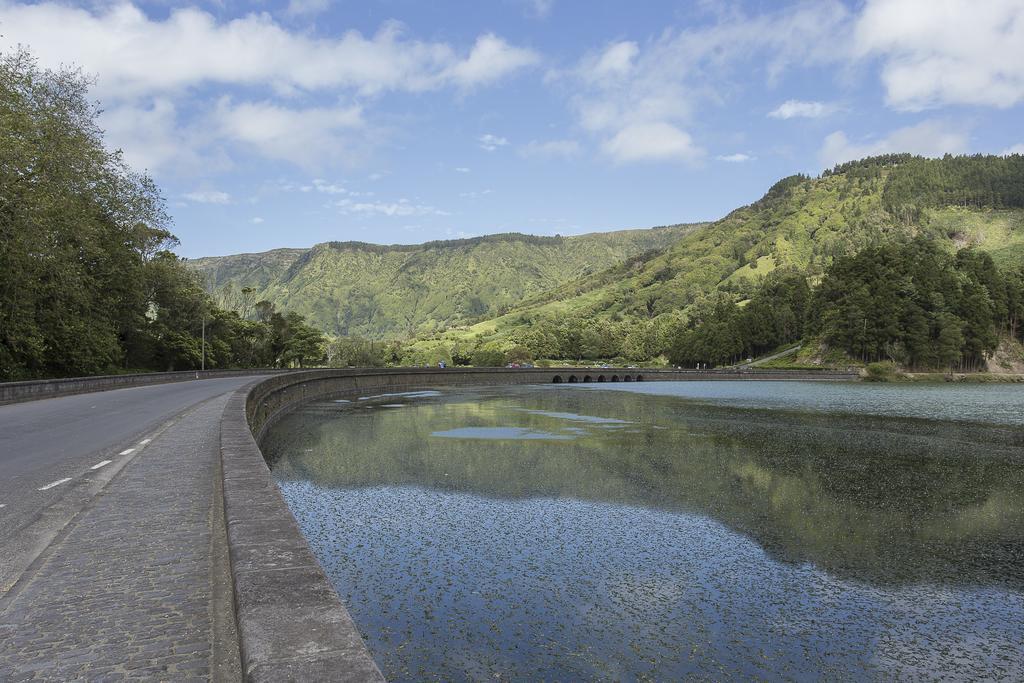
<point x="666" y="530"/>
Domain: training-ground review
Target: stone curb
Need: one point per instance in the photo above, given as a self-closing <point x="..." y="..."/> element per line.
<point x="291" y="624"/>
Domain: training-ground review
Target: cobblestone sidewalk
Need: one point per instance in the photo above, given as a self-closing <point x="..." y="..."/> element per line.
<point x="131" y="589"/>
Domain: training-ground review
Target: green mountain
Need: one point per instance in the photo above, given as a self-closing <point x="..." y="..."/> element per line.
<point x="802" y="224"/>
<point x="400" y="291"/>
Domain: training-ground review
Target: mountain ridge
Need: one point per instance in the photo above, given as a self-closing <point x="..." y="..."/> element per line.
<point x="358" y="288"/>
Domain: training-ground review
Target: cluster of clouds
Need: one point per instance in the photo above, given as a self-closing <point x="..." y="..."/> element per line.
<point x="147" y="66"/>
<point x="402" y="207"/>
<point x="137" y="55"/>
<point x="312" y="100"/>
<point x="641" y="100"/>
<point x="338" y="198"/>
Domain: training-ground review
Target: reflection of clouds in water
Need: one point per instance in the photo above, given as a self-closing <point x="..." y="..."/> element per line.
<point x="499" y="433"/>
<point x="574" y="417"/>
<point x="959" y="643"/>
<point x="565" y="589"/>
<point x="406" y="394"/>
<point x="560" y="547"/>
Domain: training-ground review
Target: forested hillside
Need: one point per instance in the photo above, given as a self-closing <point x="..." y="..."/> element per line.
<point x="800" y="228"/>
<point x="401" y="291"/>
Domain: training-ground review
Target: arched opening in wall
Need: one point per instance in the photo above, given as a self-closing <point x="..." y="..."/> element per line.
<point x="627" y="378"/>
<point x="615" y="378"/>
<point x="639" y="378"/>
<point x="588" y="378"/>
<point x="600" y="378"/>
<point x="557" y="379"/>
<point x="573" y="379"/>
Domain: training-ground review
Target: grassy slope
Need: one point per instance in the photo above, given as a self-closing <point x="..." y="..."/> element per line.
<point x="399" y="291"/>
<point x="1001" y="233"/>
<point x="803" y="227"/>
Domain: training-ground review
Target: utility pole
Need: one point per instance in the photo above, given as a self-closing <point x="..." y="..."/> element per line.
<point x="204" y="342"/>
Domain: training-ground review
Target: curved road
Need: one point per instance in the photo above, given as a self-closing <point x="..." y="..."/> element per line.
<point x="52" y="447"/>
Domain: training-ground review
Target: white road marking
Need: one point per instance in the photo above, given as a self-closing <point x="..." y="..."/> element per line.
<point x="55" y="483"/>
<point x="144" y="442"/>
<point x="3" y="505"/>
<point x="127" y="451"/>
<point x="101" y="463"/>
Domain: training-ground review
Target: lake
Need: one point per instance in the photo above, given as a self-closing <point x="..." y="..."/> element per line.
<point x="779" y="530"/>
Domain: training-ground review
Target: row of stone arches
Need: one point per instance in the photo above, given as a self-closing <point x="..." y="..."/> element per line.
<point x="586" y="379"/>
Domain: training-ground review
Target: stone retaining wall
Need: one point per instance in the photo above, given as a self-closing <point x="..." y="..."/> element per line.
<point x="291" y="624"/>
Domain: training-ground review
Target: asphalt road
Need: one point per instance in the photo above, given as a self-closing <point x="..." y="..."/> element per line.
<point x="53" y="447"/>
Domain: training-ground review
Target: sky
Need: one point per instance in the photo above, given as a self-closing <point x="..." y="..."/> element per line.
<point x="285" y="124"/>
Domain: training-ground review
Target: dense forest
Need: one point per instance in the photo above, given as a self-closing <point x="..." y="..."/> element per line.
<point x="915" y="183"/>
<point x="88" y="281"/>
<point x="913" y="304"/>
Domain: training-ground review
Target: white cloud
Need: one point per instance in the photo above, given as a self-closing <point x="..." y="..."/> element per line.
<point x="154" y="73"/>
<point x="307" y="137"/>
<point x="940" y="52"/>
<point x="651" y="142"/>
<point x="489" y="142"/>
<point x="321" y="185"/>
<point x="928" y="138"/>
<point x="798" y="108"/>
<point x="1015" y="149"/>
<point x="615" y="61"/>
<point x="149" y="134"/>
<point x="256" y="220"/>
<point x="462" y="169"/>
<point x="208" y="197"/>
<point x="737" y="158"/>
<point x="550" y="149"/>
<point x="475" y="195"/>
<point x="403" y="207"/>
<point x="490" y="60"/>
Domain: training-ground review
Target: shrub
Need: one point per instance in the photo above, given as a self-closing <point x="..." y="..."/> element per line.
<point x="883" y="371"/>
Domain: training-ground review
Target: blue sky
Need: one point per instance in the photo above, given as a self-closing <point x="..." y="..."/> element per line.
<point x="399" y="121"/>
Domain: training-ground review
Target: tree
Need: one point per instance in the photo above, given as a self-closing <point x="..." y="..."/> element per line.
<point x="88" y="283"/>
<point x="76" y="229"/>
<point x="488" y="356"/>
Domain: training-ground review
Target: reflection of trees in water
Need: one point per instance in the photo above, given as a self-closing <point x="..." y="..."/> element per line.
<point x="880" y="499"/>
